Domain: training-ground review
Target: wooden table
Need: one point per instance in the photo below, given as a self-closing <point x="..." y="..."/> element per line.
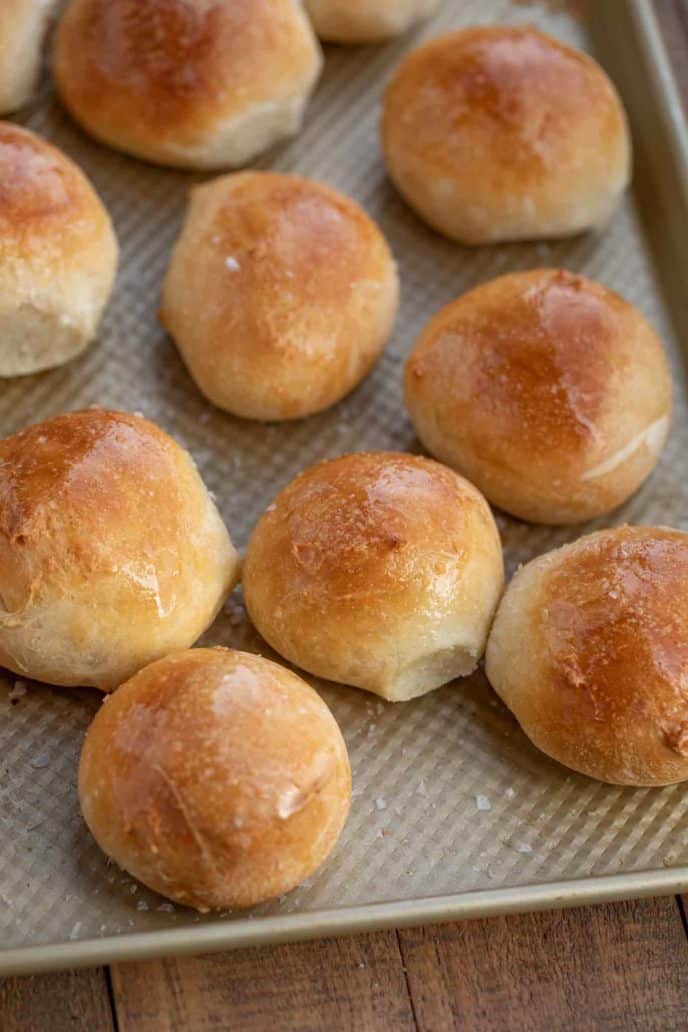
<point x="616" y="967"/>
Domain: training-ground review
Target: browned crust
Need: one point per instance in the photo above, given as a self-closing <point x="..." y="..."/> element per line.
<point x="147" y="72"/>
<point x="281" y="293"/>
<point x="216" y="777"/>
<point x="531" y="380"/>
<point x="590" y="650"/>
<point x="48" y="209"/>
<point x="518" y="130"/>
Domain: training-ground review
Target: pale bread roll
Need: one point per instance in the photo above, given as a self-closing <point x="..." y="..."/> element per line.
<point x="58" y="255"/>
<point x="23" y="24"/>
<point x="547" y="390"/>
<point x="589" y="649"/>
<point x="280" y="295"/>
<point x="379" y="570"/>
<point x="366" y="21"/>
<point x="215" y="777"/>
<point x="199" y="84"/>
<point x="500" y="133"/>
<point x="112" y="553"/>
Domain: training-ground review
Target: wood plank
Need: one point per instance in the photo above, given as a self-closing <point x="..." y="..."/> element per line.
<point x="619" y="967"/>
<point x="58" y="1002"/>
<point x="346" y="984"/>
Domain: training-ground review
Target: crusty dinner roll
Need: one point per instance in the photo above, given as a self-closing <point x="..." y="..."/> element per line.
<point x="58" y="255"/>
<point x="281" y="294"/>
<point x="499" y="133"/>
<point x="215" y="777"/>
<point x="22" y="27"/>
<point x="378" y="570"/>
<point x="112" y="553"/>
<point x="548" y="391"/>
<point x="589" y="649"/>
<point x="366" y="21"/>
<point x="190" y="83"/>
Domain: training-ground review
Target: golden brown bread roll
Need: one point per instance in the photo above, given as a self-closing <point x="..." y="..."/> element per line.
<point x="281" y="294"/>
<point x="366" y="21"/>
<point x="548" y="391"/>
<point x="379" y="570"/>
<point x="112" y="553"/>
<point x="22" y="28"/>
<point x="500" y="133"/>
<point x="58" y="255"/>
<point x="215" y="777"/>
<point x="190" y="83"/>
<point x="589" y="649"/>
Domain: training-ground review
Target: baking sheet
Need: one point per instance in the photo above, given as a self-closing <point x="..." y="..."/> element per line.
<point x="454" y="812"/>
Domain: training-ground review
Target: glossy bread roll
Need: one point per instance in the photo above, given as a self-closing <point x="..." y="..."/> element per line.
<point x="366" y="21"/>
<point x="58" y="255"/>
<point x="22" y="28"/>
<point x="548" y="391"/>
<point x="215" y="777"/>
<point x="281" y="294"/>
<point x="589" y="649"/>
<point x="500" y="133"/>
<point x="112" y="553"/>
<point x="190" y="83"/>
<point x="378" y="570"/>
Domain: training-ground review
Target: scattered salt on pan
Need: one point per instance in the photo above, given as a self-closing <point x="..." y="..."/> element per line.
<point x="142" y="905"/>
<point x="523" y="847"/>
<point x="74" y="934"/>
<point x="371" y="730"/>
<point x="40" y="761"/>
<point x="18" y="689"/>
<point x="510" y="793"/>
<point x="167" y="908"/>
<point x="482" y="803"/>
<point x="381" y="803"/>
<point x="271" y="508"/>
<point x="422" y="788"/>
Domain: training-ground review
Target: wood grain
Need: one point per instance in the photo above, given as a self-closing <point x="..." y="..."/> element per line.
<point x="341" y="984"/>
<point x="618" y="968"/>
<point x="59" y="1002"/>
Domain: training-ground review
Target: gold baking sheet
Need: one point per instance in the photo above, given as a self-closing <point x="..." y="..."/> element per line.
<point x="454" y="812"/>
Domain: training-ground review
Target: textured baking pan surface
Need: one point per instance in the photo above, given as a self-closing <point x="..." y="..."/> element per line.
<point x="453" y="810"/>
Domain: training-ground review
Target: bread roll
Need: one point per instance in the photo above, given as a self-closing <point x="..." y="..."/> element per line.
<point x="198" y="84"/>
<point x="280" y="295"/>
<point x="366" y="21"/>
<point x="548" y="391"/>
<point x="378" y="570"/>
<point x="22" y="28"/>
<point x="112" y="553"/>
<point x="500" y="133"/>
<point x="58" y="255"/>
<point x="589" y="649"/>
<point x="215" y="777"/>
